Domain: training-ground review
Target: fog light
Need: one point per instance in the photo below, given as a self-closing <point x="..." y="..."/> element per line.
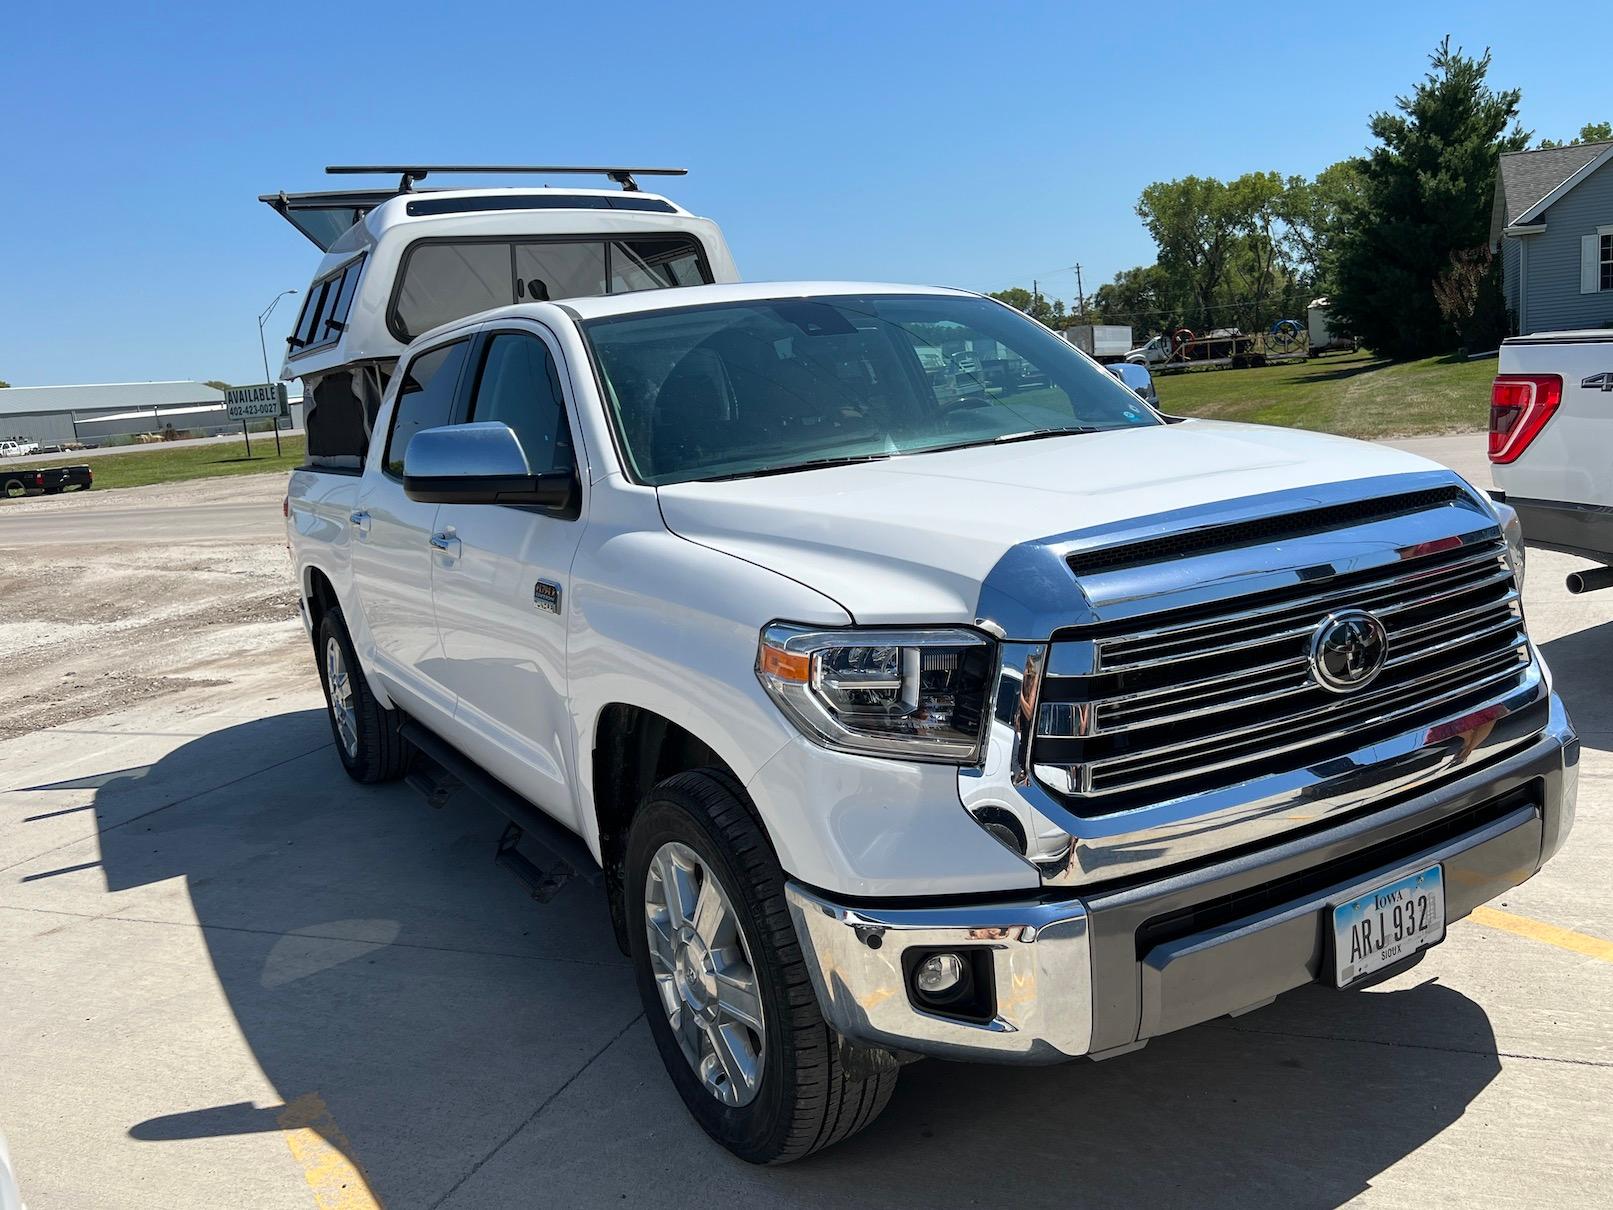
<point x="938" y="973"/>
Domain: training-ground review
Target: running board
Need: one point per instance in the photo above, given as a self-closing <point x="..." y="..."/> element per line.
<point x="552" y="855"/>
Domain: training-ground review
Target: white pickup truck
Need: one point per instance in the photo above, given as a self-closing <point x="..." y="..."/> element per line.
<point x="903" y="714"/>
<point x="1551" y="444"/>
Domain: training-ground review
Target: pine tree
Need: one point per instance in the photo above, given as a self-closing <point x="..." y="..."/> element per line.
<point x="1425" y="193"/>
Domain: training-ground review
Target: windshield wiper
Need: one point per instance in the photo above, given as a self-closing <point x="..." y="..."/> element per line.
<point x="1036" y="434"/>
<point x="815" y="464"/>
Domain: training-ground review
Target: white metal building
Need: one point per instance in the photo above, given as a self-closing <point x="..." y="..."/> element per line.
<point x="99" y="412"/>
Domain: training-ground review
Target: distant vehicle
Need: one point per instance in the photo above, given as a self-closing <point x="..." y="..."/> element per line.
<point x="1550" y="445"/>
<point x="965" y="363"/>
<point x="1322" y="337"/>
<point x="18" y="449"/>
<point x="1156" y="352"/>
<point x="1101" y="342"/>
<point x="1137" y="378"/>
<point x="45" y="481"/>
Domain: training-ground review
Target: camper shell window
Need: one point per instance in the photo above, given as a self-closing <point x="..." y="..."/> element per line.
<point x="441" y="280"/>
<point x="324" y="311"/>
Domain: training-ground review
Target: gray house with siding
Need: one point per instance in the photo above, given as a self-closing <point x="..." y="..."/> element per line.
<point x="1552" y="224"/>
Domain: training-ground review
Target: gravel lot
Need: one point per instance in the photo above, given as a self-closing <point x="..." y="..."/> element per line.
<point x="90" y="626"/>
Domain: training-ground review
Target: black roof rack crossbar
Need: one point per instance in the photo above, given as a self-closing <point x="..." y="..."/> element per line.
<point x="410" y="173"/>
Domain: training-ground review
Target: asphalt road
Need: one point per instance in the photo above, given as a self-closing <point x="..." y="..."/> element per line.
<point x="228" y="976"/>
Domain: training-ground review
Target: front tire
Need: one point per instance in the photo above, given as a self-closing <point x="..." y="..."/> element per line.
<point x="367" y="734"/>
<point x="725" y="988"/>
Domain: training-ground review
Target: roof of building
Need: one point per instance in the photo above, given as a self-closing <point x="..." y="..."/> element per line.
<point x="1528" y="177"/>
<point x="101" y="396"/>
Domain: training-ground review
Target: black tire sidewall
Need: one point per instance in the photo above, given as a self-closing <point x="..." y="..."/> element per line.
<point x="361" y="764"/>
<point x="756" y="1131"/>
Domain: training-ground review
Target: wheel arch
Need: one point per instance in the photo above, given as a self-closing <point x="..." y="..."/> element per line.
<point x="635" y="748"/>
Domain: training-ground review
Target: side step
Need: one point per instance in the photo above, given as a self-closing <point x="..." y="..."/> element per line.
<point x="552" y="855"/>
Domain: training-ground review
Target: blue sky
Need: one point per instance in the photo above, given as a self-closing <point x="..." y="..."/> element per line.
<point x="971" y="145"/>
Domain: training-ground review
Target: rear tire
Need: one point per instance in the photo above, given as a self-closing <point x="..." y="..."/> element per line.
<point x="796" y="1096"/>
<point x="367" y="734"/>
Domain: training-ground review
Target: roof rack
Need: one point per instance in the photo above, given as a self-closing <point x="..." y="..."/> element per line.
<point x="409" y="174"/>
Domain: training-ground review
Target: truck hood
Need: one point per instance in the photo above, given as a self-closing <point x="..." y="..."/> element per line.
<point x="910" y="539"/>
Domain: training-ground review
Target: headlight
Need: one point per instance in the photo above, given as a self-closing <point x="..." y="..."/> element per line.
<point x="1512" y="531"/>
<point x="915" y="694"/>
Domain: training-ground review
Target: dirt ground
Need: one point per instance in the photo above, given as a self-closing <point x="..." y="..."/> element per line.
<point x="148" y="609"/>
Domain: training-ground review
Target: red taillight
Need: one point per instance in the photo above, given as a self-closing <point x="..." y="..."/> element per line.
<point x="285" y="506"/>
<point x="1520" y="405"/>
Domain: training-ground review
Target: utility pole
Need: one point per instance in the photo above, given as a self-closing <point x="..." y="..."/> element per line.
<point x="1080" y="294"/>
<point x="1036" y="297"/>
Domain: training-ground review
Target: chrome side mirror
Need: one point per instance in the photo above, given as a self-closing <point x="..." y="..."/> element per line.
<point x="480" y="464"/>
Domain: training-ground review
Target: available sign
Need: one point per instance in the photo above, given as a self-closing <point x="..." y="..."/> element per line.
<point x="266" y="401"/>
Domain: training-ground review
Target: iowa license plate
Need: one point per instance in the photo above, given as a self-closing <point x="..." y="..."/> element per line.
<point x="1385" y="925"/>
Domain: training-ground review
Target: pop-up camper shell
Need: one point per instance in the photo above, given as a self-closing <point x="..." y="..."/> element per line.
<point x="403" y="260"/>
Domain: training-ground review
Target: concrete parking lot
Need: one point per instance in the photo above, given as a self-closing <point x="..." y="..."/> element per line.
<point x="230" y="977"/>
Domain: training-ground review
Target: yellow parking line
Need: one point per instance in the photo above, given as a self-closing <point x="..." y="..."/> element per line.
<point x="319" y="1145"/>
<point x="1551" y="934"/>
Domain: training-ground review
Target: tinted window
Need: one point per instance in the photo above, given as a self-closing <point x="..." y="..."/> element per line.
<point x="324" y="313"/>
<point x="519" y="386"/>
<point x="303" y="334"/>
<point x="443" y="282"/>
<point x="649" y="264"/>
<point x="425" y="399"/>
<point x="341" y="302"/>
<point x="559" y="270"/>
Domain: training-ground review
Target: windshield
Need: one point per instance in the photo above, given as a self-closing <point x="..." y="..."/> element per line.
<point x="746" y="388"/>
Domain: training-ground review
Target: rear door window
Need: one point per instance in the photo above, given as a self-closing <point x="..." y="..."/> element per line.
<point x="425" y="399"/>
<point x="519" y="387"/>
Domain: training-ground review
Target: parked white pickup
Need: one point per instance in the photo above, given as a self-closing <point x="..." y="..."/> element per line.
<point x="1551" y="444"/>
<point x="954" y="705"/>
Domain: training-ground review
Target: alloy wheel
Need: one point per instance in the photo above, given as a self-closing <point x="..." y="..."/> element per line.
<point x="340" y="685"/>
<point x="703" y="972"/>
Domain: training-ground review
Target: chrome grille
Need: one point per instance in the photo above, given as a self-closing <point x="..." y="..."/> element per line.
<point x="1222" y="693"/>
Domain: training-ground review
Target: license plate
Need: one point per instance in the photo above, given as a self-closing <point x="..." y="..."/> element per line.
<point x="1387" y="924"/>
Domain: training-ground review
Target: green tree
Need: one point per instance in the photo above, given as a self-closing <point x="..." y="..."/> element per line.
<point x="1147" y="298"/>
<point x="1313" y="214"/>
<point x="1426" y="192"/>
<point x="217" y="385"/>
<point x="1591" y="132"/>
<point x="1050" y="311"/>
<point x="1255" y="203"/>
<point x="1194" y="225"/>
<point x="3" y="384"/>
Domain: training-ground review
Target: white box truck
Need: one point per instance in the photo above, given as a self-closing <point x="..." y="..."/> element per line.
<point x="1101" y="342"/>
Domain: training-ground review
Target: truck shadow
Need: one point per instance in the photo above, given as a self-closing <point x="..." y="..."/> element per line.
<point x="413" y="1006"/>
<point x="1579" y="662"/>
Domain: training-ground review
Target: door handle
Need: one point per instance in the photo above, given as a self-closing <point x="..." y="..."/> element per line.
<point x="361" y="521"/>
<point x="446" y="543"/>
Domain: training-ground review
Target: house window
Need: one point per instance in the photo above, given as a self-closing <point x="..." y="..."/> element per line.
<point x="1607" y="262"/>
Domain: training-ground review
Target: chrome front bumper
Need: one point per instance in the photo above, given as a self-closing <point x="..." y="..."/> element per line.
<point x="1106" y="971"/>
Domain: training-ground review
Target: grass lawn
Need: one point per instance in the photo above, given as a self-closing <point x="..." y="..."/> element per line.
<point x="1353" y="394"/>
<point x="153" y="465"/>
